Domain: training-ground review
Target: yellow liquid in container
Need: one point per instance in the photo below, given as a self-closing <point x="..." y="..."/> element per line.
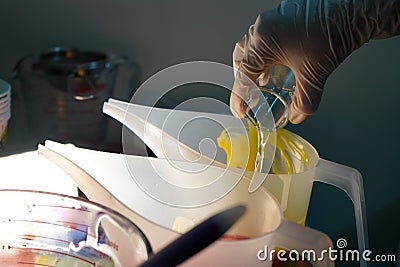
<point x="241" y="149"/>
<point x="291" y="156"/>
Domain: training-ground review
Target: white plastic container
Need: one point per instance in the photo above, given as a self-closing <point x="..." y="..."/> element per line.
<point x="292" y="191"/>
<point x="107" y="179"/>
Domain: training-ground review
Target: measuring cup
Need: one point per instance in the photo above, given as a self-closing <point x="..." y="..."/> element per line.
<point x="56" y="230"/>
<point x="48" y="229"/>
<point x="292" y="191"/>
<point x="109" y="179"/>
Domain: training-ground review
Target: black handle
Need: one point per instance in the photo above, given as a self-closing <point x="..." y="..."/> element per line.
<point x="196" y="239"/>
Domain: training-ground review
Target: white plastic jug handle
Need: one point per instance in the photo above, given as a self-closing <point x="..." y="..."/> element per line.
<point x="350" y="181"/>
<point x="299" y="241"/>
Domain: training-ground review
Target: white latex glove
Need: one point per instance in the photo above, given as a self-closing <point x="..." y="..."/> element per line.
<point x="312" y="37"/>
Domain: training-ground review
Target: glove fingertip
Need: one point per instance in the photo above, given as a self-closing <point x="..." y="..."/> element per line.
<point x="295" y="116"/>
<point x="236" y="106"/>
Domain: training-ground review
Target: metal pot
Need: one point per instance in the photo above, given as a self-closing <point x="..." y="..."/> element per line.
<point x="81" y="73"/>
<point x="64" y="90"/>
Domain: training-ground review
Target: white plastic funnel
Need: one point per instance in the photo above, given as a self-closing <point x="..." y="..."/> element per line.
<point x="184" y="135"/>
<point x="292" y="191"/>
<point x="164" y="131"/>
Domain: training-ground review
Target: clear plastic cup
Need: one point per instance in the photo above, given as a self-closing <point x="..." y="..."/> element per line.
<point x="277" y="87"/>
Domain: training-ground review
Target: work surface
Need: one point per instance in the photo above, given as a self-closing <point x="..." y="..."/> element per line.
<point x="30" y="171"/>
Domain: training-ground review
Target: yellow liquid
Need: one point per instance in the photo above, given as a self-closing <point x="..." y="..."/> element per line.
<point x="247" y="150"/>
<point x="262" y="138"/>
<point x="240" y="147"/>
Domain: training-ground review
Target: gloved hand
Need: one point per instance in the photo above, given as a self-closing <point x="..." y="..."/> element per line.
<point x="312" y="37"/>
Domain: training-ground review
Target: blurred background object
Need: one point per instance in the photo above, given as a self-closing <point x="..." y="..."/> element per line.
<point x="63" y="90"/>
<point x="5" y="110"/>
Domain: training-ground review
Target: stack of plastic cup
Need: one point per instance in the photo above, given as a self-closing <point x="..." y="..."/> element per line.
<point x="5" y="110"/>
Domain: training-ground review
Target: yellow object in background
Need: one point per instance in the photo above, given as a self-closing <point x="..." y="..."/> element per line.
<point x="71" y="261"/>
<point x="182" y="224"/>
